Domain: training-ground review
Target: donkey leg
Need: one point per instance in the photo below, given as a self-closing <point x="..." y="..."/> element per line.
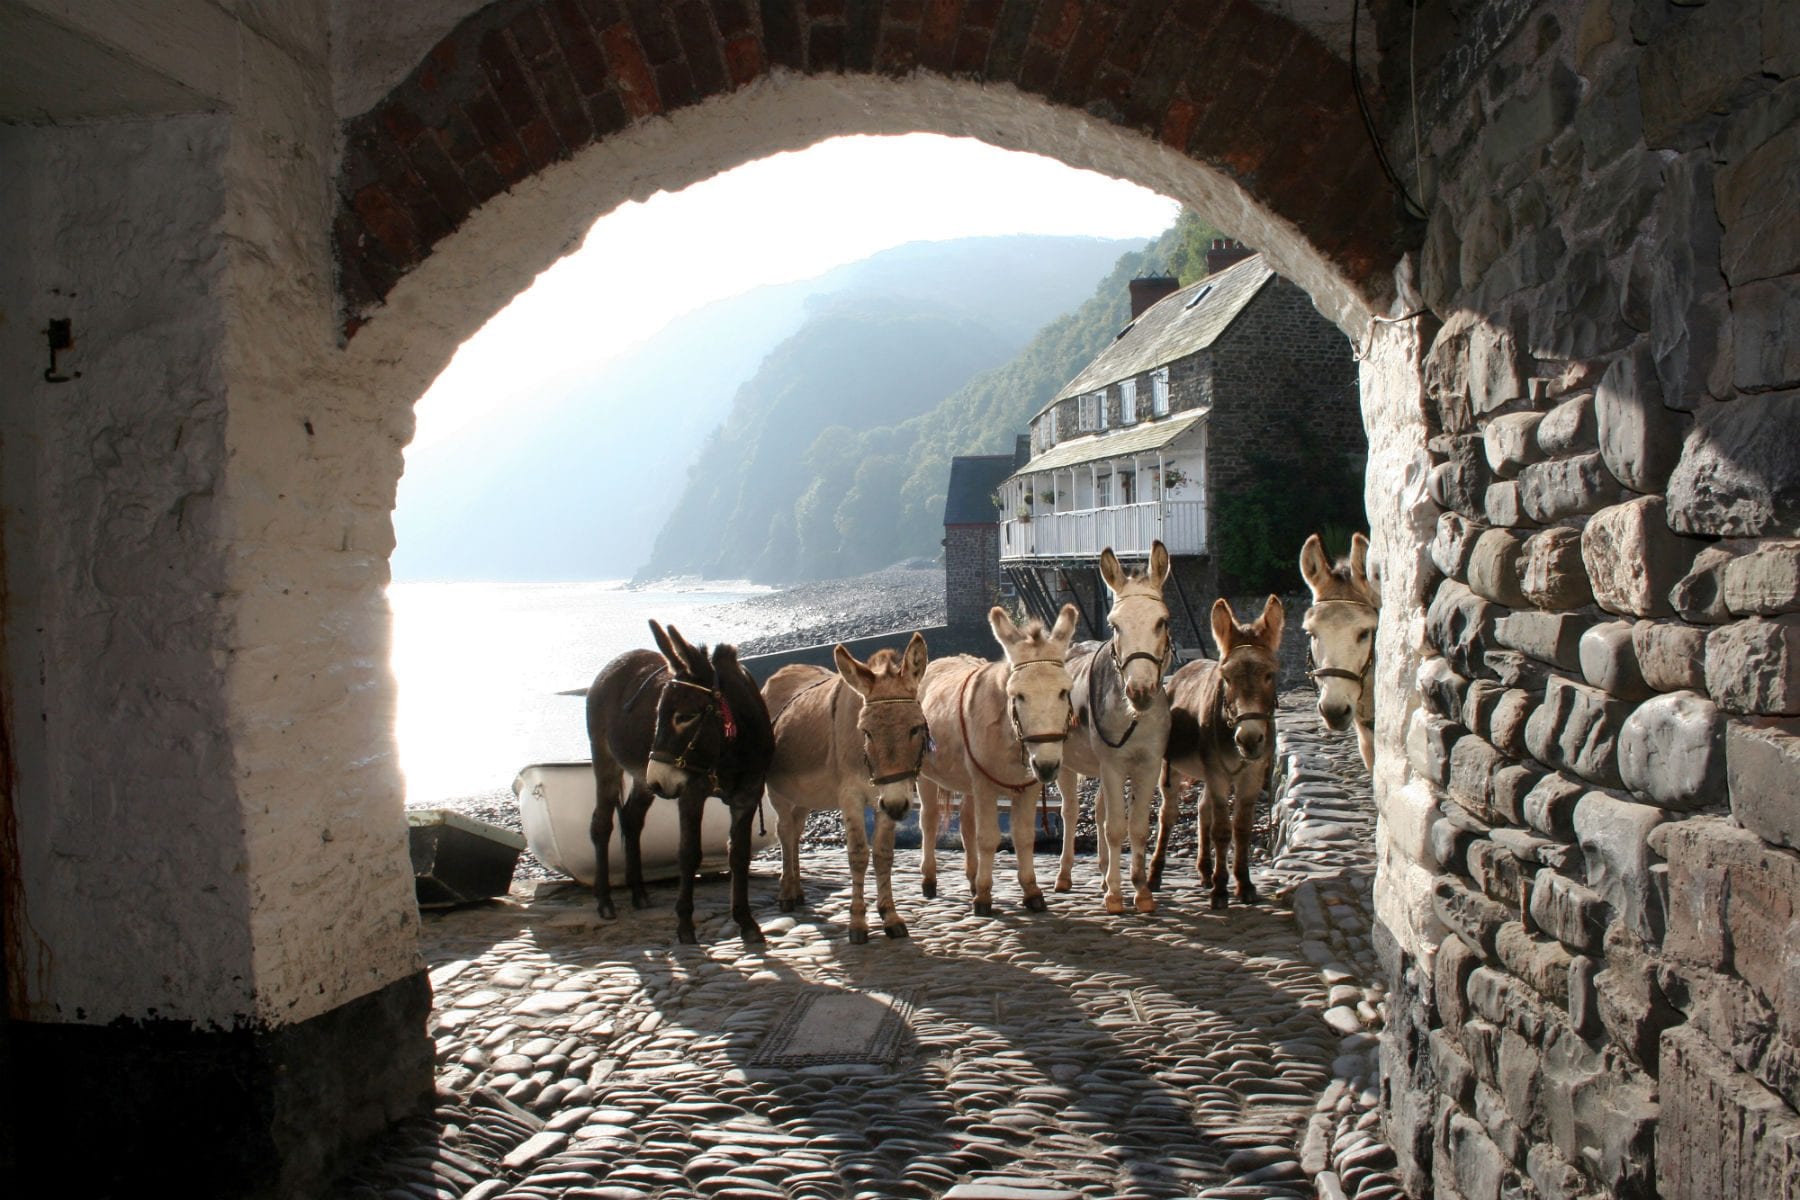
<point x="929" y="815"/>
<point x="737" y="849"/>
<point x="1169" y="789"/>
<point x="891" y="924"/>
<point x="1143" y="792"/>
<point x="981" y="842"/>
<point x="687" y="858"/>
<point x="1110" y="802"/>
<point x="856" y="849"/>
<point x="1243" y="813"/>
<point x="790" y="826"/>
<point x="600" y="830"/>
<point x="1365" y="744"/>
<point x="631" y="828"/>
<point x="1024" y="835"/>
<point x="1068" y="783"/>
<point x="1216" y="849"/>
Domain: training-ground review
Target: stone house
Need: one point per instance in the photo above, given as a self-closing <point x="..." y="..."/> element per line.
<point x="972" y="582"/>
<point x="1206" y="389"/>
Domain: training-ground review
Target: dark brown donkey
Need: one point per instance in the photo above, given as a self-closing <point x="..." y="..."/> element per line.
<point x="1223" y="734"/>
<point x="684" y="726"/>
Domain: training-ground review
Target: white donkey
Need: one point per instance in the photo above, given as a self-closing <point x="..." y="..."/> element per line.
<point x="996" y="727"/>
<point x="1340" y="629"/>
<point x="1122" y="726"/>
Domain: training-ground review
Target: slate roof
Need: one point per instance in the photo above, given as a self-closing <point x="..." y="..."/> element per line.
<point x="973" y="480"/>
<point x="1173" y="328"/>
<point x="1132" y="439"/>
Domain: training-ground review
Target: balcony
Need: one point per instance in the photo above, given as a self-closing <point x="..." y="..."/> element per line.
<point x="1128" y="528"/>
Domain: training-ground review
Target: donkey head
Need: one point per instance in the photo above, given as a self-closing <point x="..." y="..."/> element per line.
<point x="1247" y="670"/>
<point x="1340" y="627"/>
<point x="690" y="720"/>
<point x="891" y="722"/>
<point x="1140" y="624"/>
<point x="1037" y="686"/>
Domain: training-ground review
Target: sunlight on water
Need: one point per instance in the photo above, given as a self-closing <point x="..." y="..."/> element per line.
<point x="479" y="666"/>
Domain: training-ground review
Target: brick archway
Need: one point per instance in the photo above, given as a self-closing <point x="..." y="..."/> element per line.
<point x="1259" y="107"/>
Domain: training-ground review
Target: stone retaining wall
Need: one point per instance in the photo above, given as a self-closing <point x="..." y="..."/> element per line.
<point x="1603" y="753"/>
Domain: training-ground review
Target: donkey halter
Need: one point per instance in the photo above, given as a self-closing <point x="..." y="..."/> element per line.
<point x="1316" y="672"/>
<point x="1112" y="643"/>
<point x="1234" y="718"/>
<point x="898" y="776"/>
<point x="1013" y="713"/>
<point x="679" y="758"/>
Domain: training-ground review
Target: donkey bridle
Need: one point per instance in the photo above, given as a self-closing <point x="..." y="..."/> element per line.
<point x="898" y="776"/>
<point x="962" y="716"/>
<point x="714" y="703"/>
<point x="1316" y="673"/>
<point x="1234" y="719"/>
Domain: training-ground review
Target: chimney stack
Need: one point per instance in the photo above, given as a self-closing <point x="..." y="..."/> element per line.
<point x="1148" y="289"/>
<point x="1224" y="252"/>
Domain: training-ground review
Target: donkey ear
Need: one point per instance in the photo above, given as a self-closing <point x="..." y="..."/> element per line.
<point x="1001" y="622"/>
<point x="1315" y="568"/>
<point x="1159" y="562"/>
<point x="693" y="659"/>
<point x="1274" y="616"/>
<point x="1359" y="558"/>
<point x="856" y="674"/>
<point x="1110" y="569"/>
<point x="1224" y="626"/>
<point x="1064" y="629"/>
<point x="913" y="661"/>
<point x="663" y="644"/>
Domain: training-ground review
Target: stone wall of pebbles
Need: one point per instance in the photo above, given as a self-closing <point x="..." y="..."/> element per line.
<point x="1605" y="794"/>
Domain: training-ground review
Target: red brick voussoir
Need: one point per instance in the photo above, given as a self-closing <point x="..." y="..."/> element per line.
<point x="520" y="85"/>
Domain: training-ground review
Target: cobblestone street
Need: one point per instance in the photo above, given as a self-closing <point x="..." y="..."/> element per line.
<point x="1072" y="1053"/>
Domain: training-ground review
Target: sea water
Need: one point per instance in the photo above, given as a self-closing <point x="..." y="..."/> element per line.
<point x="480" y="667"/>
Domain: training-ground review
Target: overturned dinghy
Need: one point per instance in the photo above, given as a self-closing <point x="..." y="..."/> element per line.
<point x="556" y="808"/>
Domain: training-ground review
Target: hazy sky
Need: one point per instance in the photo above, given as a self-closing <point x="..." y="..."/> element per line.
<point x="792" y="216"/>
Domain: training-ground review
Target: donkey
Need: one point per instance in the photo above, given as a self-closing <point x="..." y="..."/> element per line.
<point x="851" y="739"/>
<point x="996" y="727"/>
<point x="677" y="725"/>
<point x="1122" y="724"/>
<point x="1223" y="734"/>
<point x="1340" y="631"/>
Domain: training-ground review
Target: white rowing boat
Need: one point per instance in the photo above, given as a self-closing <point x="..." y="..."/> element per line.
<point x="556" y="808"/>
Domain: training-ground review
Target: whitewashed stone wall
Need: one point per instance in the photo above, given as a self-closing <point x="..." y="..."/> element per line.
<point x="1589" y="884"/>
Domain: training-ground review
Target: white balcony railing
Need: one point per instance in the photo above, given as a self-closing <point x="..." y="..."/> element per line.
<point x="1128" y="528"/>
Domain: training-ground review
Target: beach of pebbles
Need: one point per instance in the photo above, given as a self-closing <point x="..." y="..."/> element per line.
<point x="1186" y="1053"/>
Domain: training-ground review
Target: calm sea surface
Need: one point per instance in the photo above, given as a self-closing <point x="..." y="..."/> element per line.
<point x="479" y="666"/>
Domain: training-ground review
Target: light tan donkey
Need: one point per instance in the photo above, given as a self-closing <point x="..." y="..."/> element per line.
<point x="848" y="739"/>
<point x="996" y="728"/>
<point x="1340" y="629"/>
<point x="1223" y="734"/>
<point x="1121" y="727"/>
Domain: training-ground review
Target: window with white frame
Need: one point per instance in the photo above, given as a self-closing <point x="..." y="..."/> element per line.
<point x="1101" y="415"/>
<point x="1128" y="402"/>
<point x="1103" y="491"/>
<point x="1086" y="413"/>
<point x="1159" y="392"/>
<point x="1050" y="428"/>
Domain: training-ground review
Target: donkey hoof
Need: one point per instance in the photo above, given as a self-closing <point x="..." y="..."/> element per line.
<point x="1064" y="885"/>
<point x="984" y="908"/>
<point x="896" y="930"/>
<point x="752" y="935"/>
<point x="787" y="903"/>
<point x="859" y="937"/>
<point x="640" y="900"/>
<point x="1247" y="894"/>
<point x="1146" y="903"/>
<point x="607" y="911"/>
<point x="1035" y="902"/>
<point x="929" y="887"/>
<point x="1115" y="904"/>
<point x="686" y="936"/>
<point x="1221" y="900"/>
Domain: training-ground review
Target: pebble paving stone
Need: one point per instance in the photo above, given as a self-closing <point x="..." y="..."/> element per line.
<point x="1069" y="1055"/>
